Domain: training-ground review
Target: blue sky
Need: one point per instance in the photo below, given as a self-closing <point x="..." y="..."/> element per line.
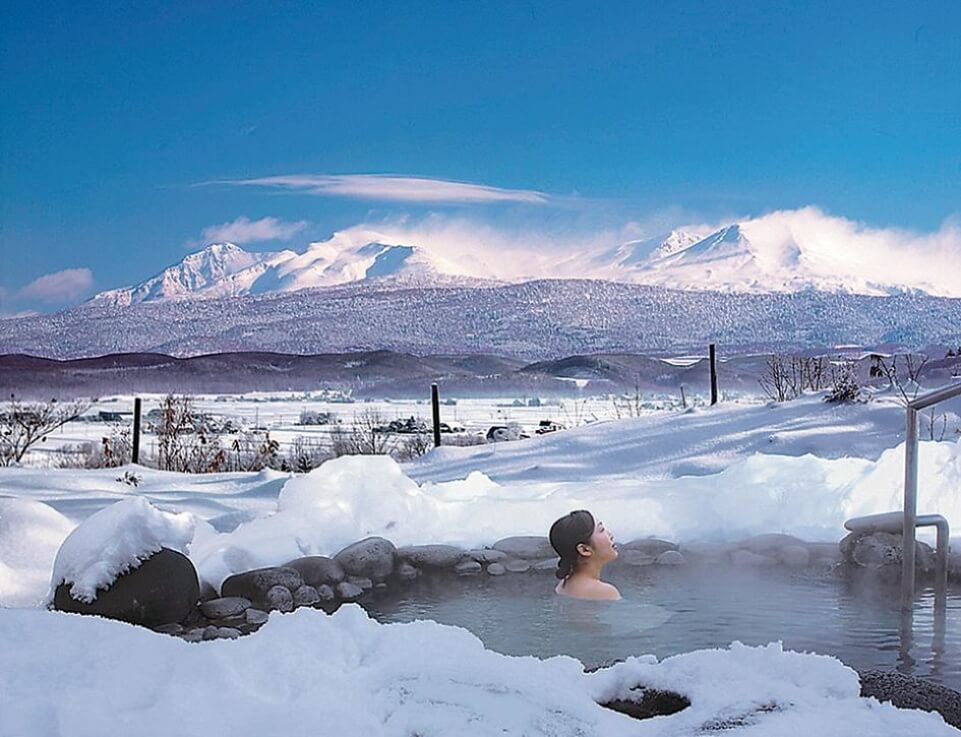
<point x="125" y="128"/>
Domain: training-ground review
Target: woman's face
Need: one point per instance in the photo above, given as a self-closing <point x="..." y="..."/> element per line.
<point x="602" y="544"/>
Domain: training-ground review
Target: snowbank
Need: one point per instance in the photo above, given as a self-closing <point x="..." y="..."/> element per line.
<point x="351" y="498"/>
<point x="114" y="540"/>
<point x="310" y="673"/>
<point x="30" y="535"/>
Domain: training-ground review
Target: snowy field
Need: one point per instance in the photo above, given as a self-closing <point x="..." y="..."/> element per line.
<point x="280" y="414"/>
<point x="703" y="475"/>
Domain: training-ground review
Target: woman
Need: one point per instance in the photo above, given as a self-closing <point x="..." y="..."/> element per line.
<point x="584" y="547"/>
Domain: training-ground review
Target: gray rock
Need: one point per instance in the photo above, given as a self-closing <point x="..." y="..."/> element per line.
<point x="371" y="558"/>
<point x="747" y="559"/>
<point x="211" y="632"/>
<point x="467" y="568"/>
<point x="546" y="565"/>
<point x="235" y="621"/>
<point x="407" y="572"/>
<point x="255" y="584"/>
<point x="635" y="558"/>
<point x="306" y="596"/>
<point x="279" y="598"/>
<point x="317" y="570"/>
<point x="650" y="546"/>
<point x="794" y="556"/>
<point x="164" y="588"/>
<point x="228" y="633"/>
<point x="169" y="629"/>
<point x="207" y="592"/>
<point x="769" y="543"/>
<point x="364" y="583"/>
<point x="907" y="692"/>
<point x="527" y="547"/>
<point x="326" y="593"/>
<point x="881" y="549"/>
<point x="227" y="606"/>
<point x="487" y="555"/>
<point x="670" y="558"/>
<point x="431" y="556"/>
<point x="517" y="566"/>
<point x="196" y="635"/>
<point x="496" y="569"/>
<point x="256" y="616"/>
<point x="347" y="591"/>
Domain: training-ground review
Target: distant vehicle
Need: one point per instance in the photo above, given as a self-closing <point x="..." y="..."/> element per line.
<point x="409" y="426"/>
<point x="548" y="426"/>
<point x="502" y="433"/>
<point x="452" y="427"/>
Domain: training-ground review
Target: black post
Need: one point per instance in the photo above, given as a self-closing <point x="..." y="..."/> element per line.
<point x="135" y="455"/>
<point x="435" y="406"/>
<point x="713" y="351"/>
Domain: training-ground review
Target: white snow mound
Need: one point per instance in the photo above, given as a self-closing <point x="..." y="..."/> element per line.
<point x="345" y="674"/>
<point x="114" y="540"/>
<point x="30" y="534"/>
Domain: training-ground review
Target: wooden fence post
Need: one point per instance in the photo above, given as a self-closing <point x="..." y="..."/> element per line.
<point x="713" y="351"/>
<point x="135" y="453"/>
<point x="435" y="406"/>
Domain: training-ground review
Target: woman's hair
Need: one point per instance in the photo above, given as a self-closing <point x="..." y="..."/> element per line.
<point x="566" y="534"/>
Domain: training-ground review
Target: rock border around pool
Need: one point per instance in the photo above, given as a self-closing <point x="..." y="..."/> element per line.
<point x="245" y="599"/>
<point x="375" y="563"/>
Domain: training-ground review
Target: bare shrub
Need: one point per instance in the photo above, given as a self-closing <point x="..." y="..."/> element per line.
<point x="253" y="450"/>
<point x="365" y="436"/>
<point x="904" y="375"/>
<point x="183" y="443"/>
<point x="628" y="405"/>
<point x="304" y="455"/>
<point x="413" y="446"/>
<point x="24" y="424"/>
<point x="787" y="377"/>
<point x="845" y="386"/>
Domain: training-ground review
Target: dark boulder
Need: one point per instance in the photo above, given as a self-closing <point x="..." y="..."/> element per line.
<point x="907" y="692"/>
<point x="371" y="558"/>
<point x="317" y="570"/>
<point x="255" y="584"/>
<point x="163" y="589"/>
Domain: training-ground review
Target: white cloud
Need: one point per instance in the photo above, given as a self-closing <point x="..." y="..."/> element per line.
<point x="61" y="286"/>
<point x="830" y="249"/>
<point x="243" y="230"/>
<point x="395" y="188"/>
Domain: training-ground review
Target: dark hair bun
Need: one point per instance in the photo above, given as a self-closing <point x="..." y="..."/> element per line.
<point x="566" y="534"/>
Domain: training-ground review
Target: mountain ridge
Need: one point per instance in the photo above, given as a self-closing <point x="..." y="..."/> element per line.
<point x="783" y="252"/>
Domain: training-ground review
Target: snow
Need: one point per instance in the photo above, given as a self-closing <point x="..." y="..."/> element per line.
<point x="114" y="540"/>
<point x="30" y="534"/>
<point x="346" y="674"/>
<point x="724" y="474"/>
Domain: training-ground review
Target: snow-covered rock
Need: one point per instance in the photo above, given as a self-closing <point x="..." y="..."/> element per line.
<point x="114" y="540"/>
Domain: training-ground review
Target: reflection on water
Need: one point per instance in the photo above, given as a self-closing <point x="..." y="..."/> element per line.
<point x="670" y="610"/>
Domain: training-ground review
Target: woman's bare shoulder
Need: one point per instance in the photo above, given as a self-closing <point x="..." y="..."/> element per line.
<point x="607" y="591"/>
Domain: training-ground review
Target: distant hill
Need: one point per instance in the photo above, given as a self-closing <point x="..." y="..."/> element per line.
<point x="532" y="321"/>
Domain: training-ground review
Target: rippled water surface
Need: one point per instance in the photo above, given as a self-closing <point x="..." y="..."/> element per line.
<point x="671" y="610"/>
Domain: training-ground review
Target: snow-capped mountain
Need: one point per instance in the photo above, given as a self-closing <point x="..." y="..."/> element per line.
<point x="219" y="270"/>
<point x="782" y="252"/>
<point x="227" y="270"/>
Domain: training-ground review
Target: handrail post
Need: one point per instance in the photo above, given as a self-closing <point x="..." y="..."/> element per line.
<point x="910" y="508"/>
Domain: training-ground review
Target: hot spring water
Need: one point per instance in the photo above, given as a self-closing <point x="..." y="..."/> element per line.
<point x="669" y="610"/>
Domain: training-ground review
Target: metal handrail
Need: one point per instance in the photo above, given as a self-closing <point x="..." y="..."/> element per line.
<point x="911" y="485"/>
